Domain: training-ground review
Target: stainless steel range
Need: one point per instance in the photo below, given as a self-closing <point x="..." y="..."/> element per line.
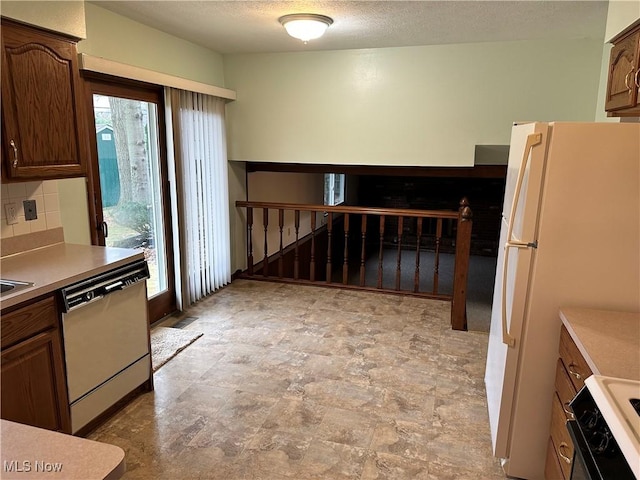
<point x="606" y="429"/>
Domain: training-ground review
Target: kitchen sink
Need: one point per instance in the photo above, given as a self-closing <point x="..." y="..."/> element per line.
<point x="11" y="286"/>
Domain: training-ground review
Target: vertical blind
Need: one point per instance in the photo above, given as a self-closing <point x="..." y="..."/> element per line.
<point x="200" y="190"/>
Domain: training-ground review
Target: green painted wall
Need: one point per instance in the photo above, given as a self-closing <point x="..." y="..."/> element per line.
<point x="403" y="106"/>
<point x="61" y="16"/>
<point x="118" y="38"/>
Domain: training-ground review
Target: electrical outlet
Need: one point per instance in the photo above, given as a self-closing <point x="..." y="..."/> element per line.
<point x="12" y="213"/>
<point x="30" y="211"/>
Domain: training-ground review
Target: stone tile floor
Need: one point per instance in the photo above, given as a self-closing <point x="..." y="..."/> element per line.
<point x="299" y="382"/>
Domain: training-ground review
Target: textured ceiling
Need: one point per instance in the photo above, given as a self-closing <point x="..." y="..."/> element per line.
<point x="252" y="26"/>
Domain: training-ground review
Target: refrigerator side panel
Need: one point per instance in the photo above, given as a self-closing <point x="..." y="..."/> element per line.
<point x="512" y="277"/>
<point x="588" y="256"/>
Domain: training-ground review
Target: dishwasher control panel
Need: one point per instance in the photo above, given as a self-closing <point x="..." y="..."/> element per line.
<point x="95" y="288"/>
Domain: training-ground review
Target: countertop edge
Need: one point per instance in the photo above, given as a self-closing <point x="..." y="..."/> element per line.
<point x="36" y="291"/>
<point x="79" y="458"/>
<point x="576" y="339"/>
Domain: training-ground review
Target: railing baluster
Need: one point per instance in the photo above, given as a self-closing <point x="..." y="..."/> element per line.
<point x="312" y="266"/>
<point x="363" y="253"/>
<point x="436" y="223"/>
<point x="280" y="255"/>
<point x="399" y="258"/>
<point x="296" y="256"/>
<point x="265" y="222"/>
<point x="345" y="264"/>
<point x="416" y="277"/>
<point x="250" y="240"/>
<point x="329" y="235"/>
<point x="380" y="254"/>
<point x="436" y="257"/>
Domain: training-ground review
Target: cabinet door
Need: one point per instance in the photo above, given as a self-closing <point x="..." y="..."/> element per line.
<point x="622" y="90"/>
<point x="43" y="121"/>
<point x="33" y="388"/>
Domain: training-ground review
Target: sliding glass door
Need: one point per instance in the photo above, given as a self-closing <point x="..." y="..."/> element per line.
<point x="129" y="180"/>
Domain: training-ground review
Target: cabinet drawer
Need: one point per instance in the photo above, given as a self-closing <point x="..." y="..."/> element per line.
<point x="573" y="360"/>
<point x="29" y="320"/>
<point x="564" y="389"/>
<point x="552" y="468"/>
<point x="560" y="436"/>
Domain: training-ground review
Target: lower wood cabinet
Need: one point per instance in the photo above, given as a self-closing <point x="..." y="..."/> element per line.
<point x="34" y="390"/>
<point x="571" y="371"/>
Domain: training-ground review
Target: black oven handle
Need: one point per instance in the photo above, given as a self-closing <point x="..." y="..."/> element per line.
<point x="582" y="454"/>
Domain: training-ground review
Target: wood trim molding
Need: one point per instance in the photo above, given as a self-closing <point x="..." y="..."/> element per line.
<point x="477" y="171"/>
<point x="109" y="67"/>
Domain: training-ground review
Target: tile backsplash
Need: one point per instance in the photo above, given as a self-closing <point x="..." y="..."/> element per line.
<point x="45" y="194"/>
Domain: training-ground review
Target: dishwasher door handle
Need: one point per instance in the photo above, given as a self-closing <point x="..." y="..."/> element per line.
<point x="114" y="286"/>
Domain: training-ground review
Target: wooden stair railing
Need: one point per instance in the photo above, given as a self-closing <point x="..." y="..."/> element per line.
<point x="316" y="258"/>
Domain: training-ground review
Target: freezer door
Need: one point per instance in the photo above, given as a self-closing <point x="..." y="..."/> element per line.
<point x="517" y="237"/>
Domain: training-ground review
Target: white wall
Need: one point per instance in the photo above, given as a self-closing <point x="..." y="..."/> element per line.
<point x="403" y="106"/>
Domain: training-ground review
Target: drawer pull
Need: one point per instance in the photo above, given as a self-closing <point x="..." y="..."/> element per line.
<point x="573" y="366"/>
<point x="567" y="410"/>
<point x="563" y="456"/>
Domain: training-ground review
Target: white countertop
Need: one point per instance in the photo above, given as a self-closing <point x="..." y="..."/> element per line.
<point x="30" y="452"/>
<point x="56" y="266"/>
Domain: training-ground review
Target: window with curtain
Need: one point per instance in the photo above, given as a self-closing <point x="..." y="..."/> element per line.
<point x="198" y="152"/>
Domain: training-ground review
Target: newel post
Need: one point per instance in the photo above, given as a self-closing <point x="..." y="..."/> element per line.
<point x="461" y="268"/>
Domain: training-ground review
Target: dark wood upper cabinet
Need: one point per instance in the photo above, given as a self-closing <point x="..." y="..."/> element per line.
<point x="624" y="74"/>
<point x="43" y="113"/>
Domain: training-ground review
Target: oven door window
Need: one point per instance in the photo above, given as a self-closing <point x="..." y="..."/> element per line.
<point x="608" y="466"/>
<point x="582" y="463"/>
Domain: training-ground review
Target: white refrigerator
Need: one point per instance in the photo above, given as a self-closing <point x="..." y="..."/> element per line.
<point x="570" y="237"/>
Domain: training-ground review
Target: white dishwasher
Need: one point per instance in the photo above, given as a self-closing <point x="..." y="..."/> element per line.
<point x="106" y="340"/>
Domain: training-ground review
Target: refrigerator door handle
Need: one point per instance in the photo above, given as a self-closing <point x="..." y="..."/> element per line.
<point x="532" y="140"/>
<point x="506" y="338"/>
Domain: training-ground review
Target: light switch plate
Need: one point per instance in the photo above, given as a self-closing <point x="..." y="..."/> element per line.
<point x="11" y="212"/>
<point x="30" y="211"/>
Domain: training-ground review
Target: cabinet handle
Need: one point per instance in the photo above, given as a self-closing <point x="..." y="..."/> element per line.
<point x="15" y="153"/>
<point x="626" y="79"/>
<point x="637" y="78"/>
<point x="575" y="374"/>
<point x="565" y="407"/>
<point x="563" y="456"/>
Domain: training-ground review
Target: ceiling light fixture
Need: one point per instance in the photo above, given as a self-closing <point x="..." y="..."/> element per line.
<point x="305" y="26"/>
